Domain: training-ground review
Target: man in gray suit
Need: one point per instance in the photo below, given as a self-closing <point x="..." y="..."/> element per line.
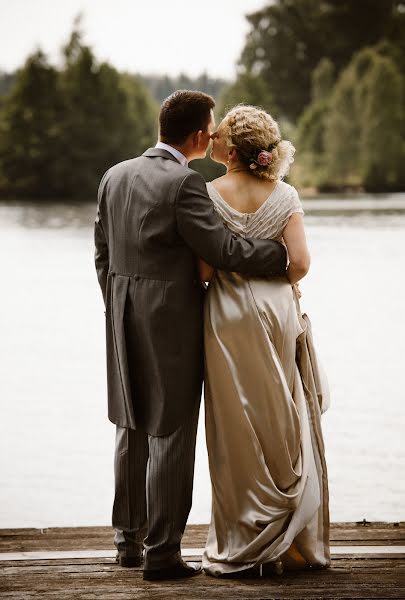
<point x="154" y="220"/>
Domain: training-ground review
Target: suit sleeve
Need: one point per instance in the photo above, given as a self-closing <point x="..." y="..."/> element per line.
<point x="101" y="256"/>
<point x="203" y="230"/>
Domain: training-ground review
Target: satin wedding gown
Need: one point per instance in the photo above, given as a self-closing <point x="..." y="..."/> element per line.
<point x="264" y="394"/>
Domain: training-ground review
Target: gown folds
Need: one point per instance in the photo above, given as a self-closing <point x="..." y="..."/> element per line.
<point x="264" y="395"/>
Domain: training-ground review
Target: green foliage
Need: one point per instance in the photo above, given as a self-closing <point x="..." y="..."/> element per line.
<point x="108" y="118"/>
<point x="311" y="143"/>
<point x="61" y="130"/>
<point x="144" y="112"/>
<point x="323" y="79"/>
<point x="208" y="168"/>
<point x="363" y="137"/>
<point x="288" y="38"/>
<point x="354" y="136"/>
<point x="247" y="89"/>
<point x="161" y="86"/>
<point x="382" y="117"/>
<point x="342" y="133"/>
<point x="30" y="130"/>
<point x="6" y="82"/>
<point x="312" y="125"/>
<point x="336" y="68"/>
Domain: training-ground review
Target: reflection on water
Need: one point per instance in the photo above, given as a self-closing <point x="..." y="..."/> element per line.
<point x="56" y="444"/>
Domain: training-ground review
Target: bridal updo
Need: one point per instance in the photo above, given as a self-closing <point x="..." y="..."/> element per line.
<point x="256" y="137"/>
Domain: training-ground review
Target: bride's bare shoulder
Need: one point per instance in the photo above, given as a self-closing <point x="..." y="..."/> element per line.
<point x="224" y="185"/>
<point x="218" y="182"/>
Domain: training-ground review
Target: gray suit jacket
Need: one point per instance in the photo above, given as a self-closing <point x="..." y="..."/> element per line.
<point x="154" y="219"/>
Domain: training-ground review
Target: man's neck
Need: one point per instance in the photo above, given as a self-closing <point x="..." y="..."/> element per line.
<point x="180" y="152"/>
<point x="181" y="149"/>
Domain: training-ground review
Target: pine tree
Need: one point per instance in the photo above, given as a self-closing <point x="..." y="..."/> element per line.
<point x="382" y="145"/>
<point x="30" y="132"/>
<point x="91" y="95"/>
<point x="61" y="130"/>
<point x="109" y="117"/>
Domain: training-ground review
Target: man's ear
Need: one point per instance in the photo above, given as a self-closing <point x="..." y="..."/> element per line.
<point x="198" y="138"/>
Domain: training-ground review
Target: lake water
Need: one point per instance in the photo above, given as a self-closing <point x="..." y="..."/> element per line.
<point x="56" y="444"/>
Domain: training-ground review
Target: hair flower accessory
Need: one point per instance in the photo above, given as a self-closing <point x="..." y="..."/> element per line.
<point x="264" y="158"/>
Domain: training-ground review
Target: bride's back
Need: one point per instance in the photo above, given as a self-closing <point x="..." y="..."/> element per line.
<point x="244" y="192"/>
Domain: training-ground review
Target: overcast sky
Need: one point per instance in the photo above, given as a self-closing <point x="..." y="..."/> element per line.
<point x="151" y="36"/>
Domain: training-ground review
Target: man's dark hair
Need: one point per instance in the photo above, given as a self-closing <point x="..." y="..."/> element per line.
<point x="182" y="113"/>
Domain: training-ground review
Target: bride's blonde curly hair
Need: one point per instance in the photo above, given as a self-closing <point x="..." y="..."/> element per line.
<point x="251" y="130"/>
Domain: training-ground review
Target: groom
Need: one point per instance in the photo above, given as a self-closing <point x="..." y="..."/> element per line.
<point x="154" y="220"/>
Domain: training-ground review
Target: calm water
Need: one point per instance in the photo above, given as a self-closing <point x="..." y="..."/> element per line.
<point x="56" y="444"/>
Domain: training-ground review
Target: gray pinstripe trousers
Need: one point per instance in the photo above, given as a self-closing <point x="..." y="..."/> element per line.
<point x="153" y="492"/>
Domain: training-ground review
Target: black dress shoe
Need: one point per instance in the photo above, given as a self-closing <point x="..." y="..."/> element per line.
<point x="182" y="569"/>
<point x="128" y="561"/>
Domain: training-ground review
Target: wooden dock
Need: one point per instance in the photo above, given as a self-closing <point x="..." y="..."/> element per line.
<point x="368" y="561"/>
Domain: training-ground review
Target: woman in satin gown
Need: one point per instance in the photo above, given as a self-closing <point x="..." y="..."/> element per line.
<point x="264" y="389"/>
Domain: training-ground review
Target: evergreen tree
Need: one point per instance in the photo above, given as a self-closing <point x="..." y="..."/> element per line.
<point x="247" y="89"/>
<point x="97" y="125"/>
<point x="61" y="130"/>
<point x="382" y="115"/>
<point x="161" y="86"/>
<point x="288" y="38"/>
<point x="6" y="82"/>
<point x="143" y="112"/>
<point x="30" y="131"/>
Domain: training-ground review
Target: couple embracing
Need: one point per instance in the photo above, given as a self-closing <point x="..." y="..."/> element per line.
<point x="197" y="286"/>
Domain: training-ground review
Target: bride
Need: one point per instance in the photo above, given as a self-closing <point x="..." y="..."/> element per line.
<point x="264" y="391"/>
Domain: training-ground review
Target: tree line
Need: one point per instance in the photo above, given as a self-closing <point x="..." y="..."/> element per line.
<point x="61" y="129"/>
<point x="331" y="72"/>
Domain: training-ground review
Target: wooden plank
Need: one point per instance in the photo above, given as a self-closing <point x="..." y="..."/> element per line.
<point x="375" y="533"/>
<point x="120" y="584"/>
<point x="60" y="538"/>
<point x="192" y="553"/>
<point x="362" y="563"/>
<point x="352" y="576"/>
